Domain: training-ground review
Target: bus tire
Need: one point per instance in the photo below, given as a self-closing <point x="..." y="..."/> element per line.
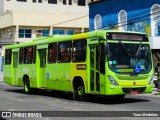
<point x="80" y="92"/>
<point x="26" y="86"/>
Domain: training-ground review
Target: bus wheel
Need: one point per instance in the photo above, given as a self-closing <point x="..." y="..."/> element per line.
<point x="26" y="86"/>
<point x="80" y="92"/>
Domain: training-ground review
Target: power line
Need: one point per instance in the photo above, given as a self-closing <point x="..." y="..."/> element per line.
<point x="135" y="15"/>
<point x="128" y="24"/>
<point x="107" y="8"/>
<point x="104" y="26"/>
<point x="113" y="19"/>
<point x="70" y="20"/>
<point x="142" y="17"/>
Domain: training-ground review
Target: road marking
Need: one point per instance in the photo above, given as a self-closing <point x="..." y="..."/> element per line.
<point x="11" y="110"/>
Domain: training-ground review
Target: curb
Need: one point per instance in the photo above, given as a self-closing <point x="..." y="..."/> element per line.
<point x="2" y="83"/>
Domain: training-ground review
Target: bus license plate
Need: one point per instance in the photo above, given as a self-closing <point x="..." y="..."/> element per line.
<point x="134" y="92"/>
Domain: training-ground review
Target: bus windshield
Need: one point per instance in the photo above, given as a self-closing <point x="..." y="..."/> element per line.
<point x="129" y="58"/>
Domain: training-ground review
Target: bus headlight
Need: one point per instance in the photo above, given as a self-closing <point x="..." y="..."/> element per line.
<point x="151" y="81"/>
<point x="112" y="80"/>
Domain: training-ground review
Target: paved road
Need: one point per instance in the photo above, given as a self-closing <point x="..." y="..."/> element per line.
<point x="13" y="99"/>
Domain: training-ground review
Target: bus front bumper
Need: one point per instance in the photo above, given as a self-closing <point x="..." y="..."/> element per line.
<point x="120" y="90"/>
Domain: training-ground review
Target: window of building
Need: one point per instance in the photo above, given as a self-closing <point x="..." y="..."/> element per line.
<point x="70" y="32"/>
<point x="69" y="2"/>
<point x="28" y="55"/>
<point x="52" y="53"/>
<point x="20" y="55"/>
<point x="64" y="2"/>
<point x="64" y="51"/>
<point x="52" y="1"/>
<point x="155" y="20"/>
<point x="22" y="0"/>
<point x="39" y="1"/>
<point x="25" y="33"/>
<point x="8" y="56"/>
<point x="33" y="0"/>
<point x="122" y="20"/>
<point x="45" y="33"/>
<point x="97" y="22"/>
<point x="60" y="32"/>
<point x="79" y="51"/>
<point x="81" y="2"/>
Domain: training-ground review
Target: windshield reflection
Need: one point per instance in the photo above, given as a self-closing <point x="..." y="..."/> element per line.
<point x="129" y="58"/>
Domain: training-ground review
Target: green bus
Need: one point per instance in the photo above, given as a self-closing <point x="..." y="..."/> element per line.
<point x="103" y="62"/>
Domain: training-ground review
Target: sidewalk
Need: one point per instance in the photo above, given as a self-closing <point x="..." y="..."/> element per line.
<point x="155" y="91"/>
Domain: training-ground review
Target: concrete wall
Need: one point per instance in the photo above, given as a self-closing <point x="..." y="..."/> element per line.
<point x="1" y="6"/>
<point x="6" y="19"/>
<point x="29" y="6"/>
<point x="29" y="15"/>
<point x="11" y="22"/>
<point x="48" y="19"/>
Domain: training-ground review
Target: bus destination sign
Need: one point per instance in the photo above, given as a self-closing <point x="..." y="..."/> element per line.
<point x="127" y="36"/>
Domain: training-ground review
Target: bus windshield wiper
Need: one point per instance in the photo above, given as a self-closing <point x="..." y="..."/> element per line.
<point x="137" y="52"/>
<point x="124" y="47"/>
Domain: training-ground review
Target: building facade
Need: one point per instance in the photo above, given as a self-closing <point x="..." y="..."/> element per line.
<point x="129" y="15"/>
<point x="24" y="20"/>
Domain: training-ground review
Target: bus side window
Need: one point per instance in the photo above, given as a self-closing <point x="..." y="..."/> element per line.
<point x="28" y="55"/>
<point x="34" y="54"/>
<point x="52" y="53"/>
<point x="8" y="56"/>
<point x="64" y="51"/>
<point x="20" y="55"/>
<point x="79" y="51"/>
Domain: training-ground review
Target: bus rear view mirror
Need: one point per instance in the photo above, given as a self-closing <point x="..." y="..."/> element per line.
<point x="106" y="49"/>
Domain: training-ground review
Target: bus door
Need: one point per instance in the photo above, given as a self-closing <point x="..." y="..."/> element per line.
<point x="95" y="68"/>
<point x="15" y="68"/>
<point x="42" y="72"/>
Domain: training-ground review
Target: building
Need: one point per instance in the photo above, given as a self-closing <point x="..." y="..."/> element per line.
<point x="24" y="20"/>
<point x="129" y="15"/>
